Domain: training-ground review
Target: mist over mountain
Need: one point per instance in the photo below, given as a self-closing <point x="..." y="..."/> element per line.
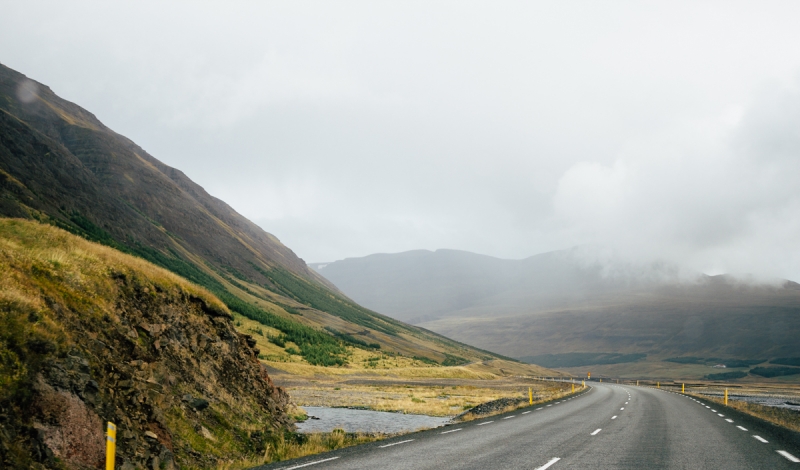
<point x="60" y="165"/>
<point x="578" y="300"/>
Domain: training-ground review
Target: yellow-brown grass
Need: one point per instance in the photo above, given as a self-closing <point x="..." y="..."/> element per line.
<point x="308" y="444"/>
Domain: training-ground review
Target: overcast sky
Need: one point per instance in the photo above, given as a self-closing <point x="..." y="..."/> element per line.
<point x="663" y="130"/>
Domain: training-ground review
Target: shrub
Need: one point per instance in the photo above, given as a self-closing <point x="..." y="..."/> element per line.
<point x="774" y="371"/>
<point x="727" y="375"/>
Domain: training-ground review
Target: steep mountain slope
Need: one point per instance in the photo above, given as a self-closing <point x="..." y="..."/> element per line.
<point x="89" y="335"/>
<point x="567" y="302"/>
<point x="62" y="166"/>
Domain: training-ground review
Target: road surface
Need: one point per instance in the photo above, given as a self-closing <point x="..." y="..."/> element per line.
<point x="607" y="427"/>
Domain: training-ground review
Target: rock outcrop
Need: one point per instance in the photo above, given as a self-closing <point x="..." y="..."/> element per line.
<point x="90" y="335"/>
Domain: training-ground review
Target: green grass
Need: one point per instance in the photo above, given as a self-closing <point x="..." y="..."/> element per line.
<point x="775" y="371"/>
<point x="582" y="359"/>
<point x="786" y="361"/>
<point x="727" y="375"/>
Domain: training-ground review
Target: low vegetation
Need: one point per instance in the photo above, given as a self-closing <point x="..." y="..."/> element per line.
<point x="727" y="375"/>
<point x="774" y="371"/>
<point x="732" y="363"/>
<point x="786" y="361"/>
<point x="577" y="359"/>
<point x="89" y="335"/>
<point x="294" y="445"/>
<point x="784" y="417"/>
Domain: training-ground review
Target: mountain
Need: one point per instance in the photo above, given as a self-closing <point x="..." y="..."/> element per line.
<point x="576" y="301"/>
<point x="61" y="166"/>
<point x="91" y="335"/>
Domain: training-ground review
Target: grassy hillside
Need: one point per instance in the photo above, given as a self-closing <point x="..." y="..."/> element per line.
<point x="61" y="166"/>
<point x="89" y="335"/>
<point x="566" y="309"/>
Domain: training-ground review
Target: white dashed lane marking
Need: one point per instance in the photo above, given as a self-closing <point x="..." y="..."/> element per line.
<point x="396" y="443"/>
<point x="452" y="430"/>
<point x="789" y="456"/>
<point x="548" y="464"/>
<point x="743" y="429"/>
<point x="614" y="417"/>
<point x="509" y="417"/>
<point x="525" y="412"/>
<point x="596" y="431"/>
<point x="729" y="420"/>
<point x="760" y="439"/>
<point x="311" y="463"/>
<point x="487" y="422"/>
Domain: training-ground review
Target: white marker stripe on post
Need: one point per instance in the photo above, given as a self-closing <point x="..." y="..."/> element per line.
<point x="548" y="464"/>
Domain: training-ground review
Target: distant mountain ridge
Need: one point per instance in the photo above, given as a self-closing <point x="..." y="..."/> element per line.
<point x="572" y="302"/>
<point x="60" y="165"/>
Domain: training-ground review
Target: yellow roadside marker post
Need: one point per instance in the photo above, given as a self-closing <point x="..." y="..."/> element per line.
<point x="530" y="396"/>
<point x="111" y="445"/>
<point x="658" y="384"/>
<point x="683" y="388"/>
<point x="637" y="383"/>
<point x="726" y="397"/>
<point x="573" y="388"/>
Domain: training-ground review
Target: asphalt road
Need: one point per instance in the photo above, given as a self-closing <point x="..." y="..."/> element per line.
<point x="607" y="427"/>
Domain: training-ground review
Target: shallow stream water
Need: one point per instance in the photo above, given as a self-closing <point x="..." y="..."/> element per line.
<point x="365" y="421"/>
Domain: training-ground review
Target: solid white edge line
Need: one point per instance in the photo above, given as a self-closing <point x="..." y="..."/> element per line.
<point x="395" y="443"/>
<point x="596" y="431"/>
<point x="743" y="429"/>
<point x="452" y="430"/>
<point x="487" y="422"/>
<point x="548" y="464"/>
<point x="760" y="439"/>
<point x="311" y="463"/>
<point x="789" y="456"/>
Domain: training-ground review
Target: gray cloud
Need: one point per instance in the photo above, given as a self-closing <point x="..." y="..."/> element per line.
<point x="660" y="130"/>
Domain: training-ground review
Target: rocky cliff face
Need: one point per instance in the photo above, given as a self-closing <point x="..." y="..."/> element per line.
<point x="90" y="335"/>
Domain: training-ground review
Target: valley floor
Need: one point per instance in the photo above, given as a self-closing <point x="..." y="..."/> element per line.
<point x="449" y="394"/>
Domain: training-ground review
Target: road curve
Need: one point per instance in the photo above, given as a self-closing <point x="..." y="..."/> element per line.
<point x="607" y="427"/>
